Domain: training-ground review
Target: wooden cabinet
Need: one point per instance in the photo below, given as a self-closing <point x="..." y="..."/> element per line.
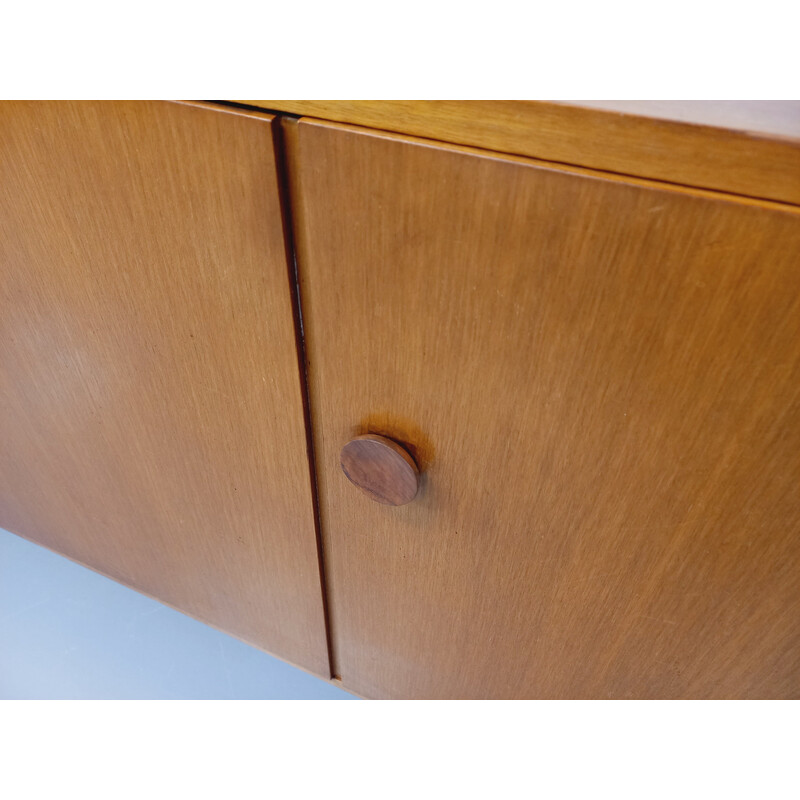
<point x="596" y="376"/>
<point x="151" y="409"/>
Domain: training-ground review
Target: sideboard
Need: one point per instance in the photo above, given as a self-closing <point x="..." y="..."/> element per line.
<point x="487" y="399"/>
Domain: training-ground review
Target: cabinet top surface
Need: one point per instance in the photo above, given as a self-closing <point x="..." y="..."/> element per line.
<point x="748" y="147"/>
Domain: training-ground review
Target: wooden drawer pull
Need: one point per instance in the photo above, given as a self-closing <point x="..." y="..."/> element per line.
<point x="382" y="469"/>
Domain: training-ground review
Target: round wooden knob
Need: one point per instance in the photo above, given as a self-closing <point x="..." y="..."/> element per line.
<point x="381" y="468"/>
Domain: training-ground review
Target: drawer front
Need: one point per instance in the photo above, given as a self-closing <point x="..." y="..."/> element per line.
<point x="599" y="382"/>
<point x="152" y="419"/>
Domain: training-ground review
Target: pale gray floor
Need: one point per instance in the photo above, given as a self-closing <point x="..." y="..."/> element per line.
<point x="67" y="632"/>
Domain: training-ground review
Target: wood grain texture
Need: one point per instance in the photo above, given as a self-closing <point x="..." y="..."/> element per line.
<point x="152" y="422"/>
<point x="600" y="382"/>
<point x="381" y="469"/>
<point x="745" y="147"/>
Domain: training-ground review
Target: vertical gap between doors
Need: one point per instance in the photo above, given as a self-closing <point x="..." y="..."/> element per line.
<point x="282" y="161"/>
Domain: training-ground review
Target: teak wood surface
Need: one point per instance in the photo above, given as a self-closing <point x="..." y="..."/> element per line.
<point x="152" y="415"/>
<point x="600" y="382"/>
<point x="745" y="147"/>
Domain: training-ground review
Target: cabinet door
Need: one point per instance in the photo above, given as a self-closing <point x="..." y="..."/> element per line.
<point x="152" y="418"/>
<point x="600" y="382"/>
